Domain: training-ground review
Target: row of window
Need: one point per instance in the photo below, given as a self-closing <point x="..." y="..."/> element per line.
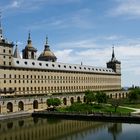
<point x="5" y="63"/>
<point x="5" y="57"/>
<point x="44" y="77"/>
<point x="63" y="88"/>
<point x="4" y="51"/>
<point x="62" y="81"/>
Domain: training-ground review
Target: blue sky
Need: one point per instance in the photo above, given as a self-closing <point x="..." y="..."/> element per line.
<point x="79" y="30"/>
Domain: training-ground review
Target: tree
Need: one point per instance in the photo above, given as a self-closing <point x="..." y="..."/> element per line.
<point x="89" y="96"/>
<point x="53" y="102"/>
<point x="115" y="103"/>
<point x="133" y="95"/>
<point x="101" y="97"/>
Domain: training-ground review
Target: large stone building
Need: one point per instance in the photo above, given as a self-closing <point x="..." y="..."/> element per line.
<point x="26" y="83"/>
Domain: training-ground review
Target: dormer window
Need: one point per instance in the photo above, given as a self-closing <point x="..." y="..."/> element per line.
<point x="25" y="62"/>
<point x="33" y="63"/>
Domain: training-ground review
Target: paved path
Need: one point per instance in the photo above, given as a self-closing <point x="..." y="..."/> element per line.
<point x="136" y="110"/>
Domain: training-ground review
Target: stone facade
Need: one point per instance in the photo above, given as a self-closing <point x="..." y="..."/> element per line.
<point x="26" y="83"/>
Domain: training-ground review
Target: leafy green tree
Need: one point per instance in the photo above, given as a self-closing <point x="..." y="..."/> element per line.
<point x="53" y="102"/>
<point x="115" y="103"/>
<point x="101" y="97"/>
<point x="89" y="96"/>
<point x="133" y="95"/>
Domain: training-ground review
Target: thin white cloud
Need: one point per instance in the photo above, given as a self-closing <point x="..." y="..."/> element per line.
<point x="77" y="19"/>
<point x="112" y="37"/>
<point x="29" y="5"/>
<point x="129" y="8"/>
<point x="89" y="43"/>
<point x="128" y="54"/>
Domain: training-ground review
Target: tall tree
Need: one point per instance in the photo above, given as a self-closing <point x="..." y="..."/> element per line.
<point x="89" y="96"/>
<point x="101" y="97"/>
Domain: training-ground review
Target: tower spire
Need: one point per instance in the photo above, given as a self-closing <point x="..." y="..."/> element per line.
<point x="47" y="47"/>
<point x="1" y="35"/>
<point x="46" y="39"/>
<point x="113" y="54"/>
<point x="29" y="35"/>
<point x="16" y="52"/>
<point x="29" y="42"/>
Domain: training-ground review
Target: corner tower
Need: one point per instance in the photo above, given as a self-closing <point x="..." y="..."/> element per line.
<point x="6" y="49"/>
<point x="29" y="52"/>
<point x="114" y="63"/>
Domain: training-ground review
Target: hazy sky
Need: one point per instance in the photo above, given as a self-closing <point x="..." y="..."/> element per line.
<point x="79" y="30"/>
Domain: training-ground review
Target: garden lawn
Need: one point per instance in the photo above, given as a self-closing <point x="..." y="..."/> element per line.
<point x="79" y="107"/>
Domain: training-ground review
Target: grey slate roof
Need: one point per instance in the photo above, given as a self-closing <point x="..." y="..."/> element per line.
<point x="35" y="64"/>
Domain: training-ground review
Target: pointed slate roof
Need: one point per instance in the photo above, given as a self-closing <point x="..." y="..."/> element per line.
<point x="16" y="52"/>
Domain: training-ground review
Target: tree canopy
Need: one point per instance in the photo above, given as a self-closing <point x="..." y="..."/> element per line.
<point x="133" y="95"/>
<point x="89" y="96"/>
<point x="101" y="97"/>
<point x="115" y="103"/>
<point x="53" y="102"/>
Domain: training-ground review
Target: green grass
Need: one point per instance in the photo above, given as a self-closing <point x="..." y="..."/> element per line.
<point x="133" y="105"/>
<point x="127" y="103"/>
<point x="79" y="107"/>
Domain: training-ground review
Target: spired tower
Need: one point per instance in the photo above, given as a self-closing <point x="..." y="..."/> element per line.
<point x="114" y="63"/>
<point x="29" y="52"/>
<point x="6" y="49"/>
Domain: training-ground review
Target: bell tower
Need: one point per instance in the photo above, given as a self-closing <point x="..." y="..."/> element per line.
<point x="114" y="63"/>
<point x="29" y="52"/>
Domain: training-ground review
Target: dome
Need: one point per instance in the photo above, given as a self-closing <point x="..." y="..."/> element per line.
<point x="47" y="54"/>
